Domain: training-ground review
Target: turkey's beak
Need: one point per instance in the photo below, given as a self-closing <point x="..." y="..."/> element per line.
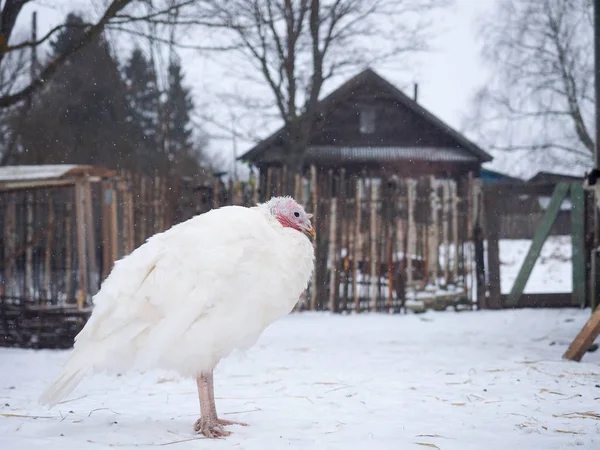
<point x="310" y="231"/>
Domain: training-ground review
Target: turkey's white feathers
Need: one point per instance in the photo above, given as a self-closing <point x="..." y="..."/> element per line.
<point x="189" y="296"/>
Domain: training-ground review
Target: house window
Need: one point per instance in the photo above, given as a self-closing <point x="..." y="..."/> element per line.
<point x="367" y="120"/>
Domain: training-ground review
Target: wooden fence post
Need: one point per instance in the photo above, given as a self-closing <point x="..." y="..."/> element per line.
<point x="492" y="234"/>
<point x="81" y="231"/>
<point x="578" y="243"/>
<point x="434" y="233"/>
<point x="315" y="219"/>
<point x="357" y="244"/>
<point x="454" y="202"/>
<point x="10" y="237"/>
<point x="373" y="282"/>
<point x="29" y="246"/>
<point x="48" y="252"/>
<point x="412" y="231"/>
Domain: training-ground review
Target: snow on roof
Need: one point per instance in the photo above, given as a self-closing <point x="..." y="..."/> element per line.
<point x="48" y="172"/>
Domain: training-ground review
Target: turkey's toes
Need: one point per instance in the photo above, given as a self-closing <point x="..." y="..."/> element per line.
<point x="224" y="423"/>
<point x="210" y="428"/>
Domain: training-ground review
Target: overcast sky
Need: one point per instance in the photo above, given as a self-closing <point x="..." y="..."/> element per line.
<point x="448" y="76"/>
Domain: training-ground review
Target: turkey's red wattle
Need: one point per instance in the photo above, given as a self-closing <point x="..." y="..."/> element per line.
<point x="287" y="223"/>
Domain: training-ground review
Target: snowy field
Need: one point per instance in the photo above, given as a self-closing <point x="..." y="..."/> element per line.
<point x="469" y="380"/>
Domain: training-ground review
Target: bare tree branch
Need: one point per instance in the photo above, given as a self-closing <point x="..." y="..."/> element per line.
<point x="540" y="96"/>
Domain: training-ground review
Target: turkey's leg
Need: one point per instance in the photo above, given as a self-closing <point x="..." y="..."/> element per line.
<point x="214" y="406"/>
<point x="208" y="423"/>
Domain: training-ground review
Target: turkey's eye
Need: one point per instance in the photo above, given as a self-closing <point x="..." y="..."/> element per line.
<point x="296" y="214"/>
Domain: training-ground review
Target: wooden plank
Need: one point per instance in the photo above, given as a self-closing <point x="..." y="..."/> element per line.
<point x="10" y="239"/>
<point x="315" y="219"/>
<point x="434" y="233"/>
<point x="357" y="243"/>
<point x="455" y="243"/>
<point x="341" y="274"/>
<point x="90" y="239"/>
<point x="114" y="227"/>
<point x="550" y="300"/>
<point x="143" y="220"/>
<point x="333" y="254"/>
<point x="80" y="229"/>
<point x="48" y="251"/>
<point x="492" y="235"/>
<point x="578" y="242"/>
<point x="373" y="283"/>
<point x="412" y="231"/>
<point x="29" y="246"/>
<point x="585" y="338"/>
<point x="68" y="250"/>
<point x="445" y="229"/>
<point x="536" y="246"/>
<point x="106" y="263"/>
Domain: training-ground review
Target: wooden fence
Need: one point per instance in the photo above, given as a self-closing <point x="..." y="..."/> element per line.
<point x="382" y="244"/>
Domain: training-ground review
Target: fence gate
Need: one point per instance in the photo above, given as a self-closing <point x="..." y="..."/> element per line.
<point x="529" y="224"/>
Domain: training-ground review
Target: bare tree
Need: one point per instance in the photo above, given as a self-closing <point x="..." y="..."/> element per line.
<point x="117" y="14"/>
<point x="296" y="47"/>
<point x="539" y="101"/>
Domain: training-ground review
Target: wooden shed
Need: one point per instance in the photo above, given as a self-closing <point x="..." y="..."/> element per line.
<point x="50" y="251"/>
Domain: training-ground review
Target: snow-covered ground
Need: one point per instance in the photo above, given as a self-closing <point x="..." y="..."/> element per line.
<point x="468" y="380"/>
<point x="552" y="271"/>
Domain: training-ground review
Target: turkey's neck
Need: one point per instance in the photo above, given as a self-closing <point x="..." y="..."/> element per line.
<point x="286" y="223"/>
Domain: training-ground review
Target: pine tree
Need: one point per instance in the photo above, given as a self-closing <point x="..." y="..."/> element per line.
<point x="178" y="133"/>
<point x="143" y="100"/>
<point x="80" y="116"/>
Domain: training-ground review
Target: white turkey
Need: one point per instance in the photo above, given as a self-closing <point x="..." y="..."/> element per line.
<point x="189" y="296"/>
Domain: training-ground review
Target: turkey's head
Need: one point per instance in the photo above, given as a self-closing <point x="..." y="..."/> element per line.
<point x="290" y="214"/>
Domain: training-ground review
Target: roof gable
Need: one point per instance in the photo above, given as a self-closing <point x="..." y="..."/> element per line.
<point x="406" y="124"/>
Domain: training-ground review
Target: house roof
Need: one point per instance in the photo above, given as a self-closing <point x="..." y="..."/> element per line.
<point x="333" y="154"/>
<point x="553" y="177"/>
<point x="370" y="76"/>
<point x="494" y="177"/>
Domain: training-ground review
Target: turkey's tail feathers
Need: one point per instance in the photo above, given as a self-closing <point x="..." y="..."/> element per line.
<point x="71" y="375"/>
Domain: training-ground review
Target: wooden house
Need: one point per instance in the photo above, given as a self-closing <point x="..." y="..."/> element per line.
<point x="369" y="125"/>
<point x="394" y="191"/>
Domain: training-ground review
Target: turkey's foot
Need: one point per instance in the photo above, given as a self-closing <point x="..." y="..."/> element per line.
<point x="213" y="428"/>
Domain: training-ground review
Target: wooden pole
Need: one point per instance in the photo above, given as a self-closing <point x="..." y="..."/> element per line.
<point x="585" y="338"/>
<point x="143" y="205"/>
<point x="48" y="253"/>
<point x="29" y="247"/>
<point x="68" y="250"/>
<point x="333" y="253"/>
<point x="434" y="233"/>
<point x="82" y="262"/>
<point x="454" y="202"/>
<point x="578" y="243"/>
<point x="90" y="238"/>
<point x="106" y="199"/>
<point x="10" y="239"/>
<point x="412" y="230"/>
<point x="373" y="242"/>
<point x="357" y="253"/>
<point x="315" y="221"/>
<point x="445" y="231"/>
<point x="114" y="227"/>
